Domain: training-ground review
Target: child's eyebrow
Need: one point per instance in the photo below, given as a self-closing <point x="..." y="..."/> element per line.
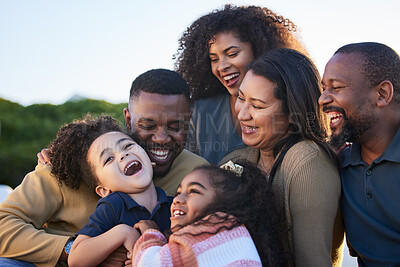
<point x="196" y="183"/>
<point x="118" y="142"/>
<point x="124" y="139"/>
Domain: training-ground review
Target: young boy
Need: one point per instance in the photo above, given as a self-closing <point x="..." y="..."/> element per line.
<point x="114" y="166"/>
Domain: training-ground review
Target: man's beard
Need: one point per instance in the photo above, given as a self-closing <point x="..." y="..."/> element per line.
<point x="352" y="129"/>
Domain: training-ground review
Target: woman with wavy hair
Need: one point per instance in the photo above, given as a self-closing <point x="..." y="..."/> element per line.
<point x="285" y="131"/>
<point x="213" y="55"/>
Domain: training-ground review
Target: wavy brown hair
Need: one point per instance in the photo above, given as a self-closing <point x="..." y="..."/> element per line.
<point x="259" y="26"/>
<point x="68" y="151"/>
<point x="250" y="199"/>
<point x="298" y="86"/>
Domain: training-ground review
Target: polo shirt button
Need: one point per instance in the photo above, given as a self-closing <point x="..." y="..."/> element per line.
<point x="369" y="195"/>
<point x="369" y="172"/>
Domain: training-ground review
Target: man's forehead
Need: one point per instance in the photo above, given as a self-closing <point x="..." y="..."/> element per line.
<point x="158" y="115"/>
<point x="156" y="105"/>
<point x="350" y="60"/>
<point x="343" y="67"/>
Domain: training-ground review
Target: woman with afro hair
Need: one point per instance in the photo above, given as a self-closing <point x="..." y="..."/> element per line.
<point x="212" y="57"/>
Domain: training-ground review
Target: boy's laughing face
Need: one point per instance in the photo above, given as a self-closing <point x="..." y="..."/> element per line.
<point x="119" y="164"/>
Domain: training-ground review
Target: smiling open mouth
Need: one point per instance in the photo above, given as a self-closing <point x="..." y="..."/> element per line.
<point x="334" y="118"/>
<point x="231" y="79"/>
<point x="178" y="213"/>
<point x="159" y="154"/>
<point x="249" y="129"/>
<point x="133" y="168"/>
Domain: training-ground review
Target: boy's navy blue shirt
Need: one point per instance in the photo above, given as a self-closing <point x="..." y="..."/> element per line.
<point x="120" y="208"/>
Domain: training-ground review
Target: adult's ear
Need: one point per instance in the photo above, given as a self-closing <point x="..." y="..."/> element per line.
<point x="385" y="93"/>
<point x="127" y="117"/>
<point x="102" y="191"/>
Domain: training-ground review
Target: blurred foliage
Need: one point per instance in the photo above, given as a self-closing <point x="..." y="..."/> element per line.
<point x="24" y="131"/>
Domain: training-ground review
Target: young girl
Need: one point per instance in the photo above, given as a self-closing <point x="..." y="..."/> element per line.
<point x="114" y="166"/>
<point x="220" y="217"/>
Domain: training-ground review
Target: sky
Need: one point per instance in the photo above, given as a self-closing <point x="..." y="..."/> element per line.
<point x="51" y="50"/>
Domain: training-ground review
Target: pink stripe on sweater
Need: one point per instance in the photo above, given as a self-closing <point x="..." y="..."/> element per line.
<point x="166" y="257"/>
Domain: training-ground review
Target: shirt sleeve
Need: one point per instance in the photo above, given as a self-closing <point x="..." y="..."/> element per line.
<point x="23" y="216"/>
<point x="102" y="220"/>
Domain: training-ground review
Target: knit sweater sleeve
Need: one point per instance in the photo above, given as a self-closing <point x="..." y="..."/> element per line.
<point x="197" y="245"/>
<point x="152" y="249"/>
<point x="314" y="193"/>
<point x="23" y="215"/>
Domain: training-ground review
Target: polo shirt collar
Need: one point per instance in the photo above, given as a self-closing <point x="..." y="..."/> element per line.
<point x="131" y="203"/>
<point x="162" y="197"/>
<point x="391" y="153"/>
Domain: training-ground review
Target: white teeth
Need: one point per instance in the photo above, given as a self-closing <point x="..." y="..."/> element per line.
<point x="250" y="128"/>
<point x="160" y="154"/>
<point x="129" y="165"/>
<point x="231" y="76"/>
<point x="334" y="117"/>
<point x="178" y="213"/>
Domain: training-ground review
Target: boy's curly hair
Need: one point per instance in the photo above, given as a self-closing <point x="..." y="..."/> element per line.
<point x="259" y="26"/>
<point x="250" y="199"/>
<point x="68" y="152"/>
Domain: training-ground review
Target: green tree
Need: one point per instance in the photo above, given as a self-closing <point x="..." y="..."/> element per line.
<point x="24" y="131"/>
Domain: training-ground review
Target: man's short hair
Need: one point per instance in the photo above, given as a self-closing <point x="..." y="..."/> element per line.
<point x="160" y="81"/>
<point x="380" y="63"/>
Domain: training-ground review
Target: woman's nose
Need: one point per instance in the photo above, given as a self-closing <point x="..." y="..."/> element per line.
<point x="223" y="64"/>
<point x="243" y="113"/>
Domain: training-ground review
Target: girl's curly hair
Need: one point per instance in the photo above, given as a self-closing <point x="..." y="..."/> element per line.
<point x="68" y="152"/>
<point x="250" y="199"/>
<point x="259" y="26"/>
